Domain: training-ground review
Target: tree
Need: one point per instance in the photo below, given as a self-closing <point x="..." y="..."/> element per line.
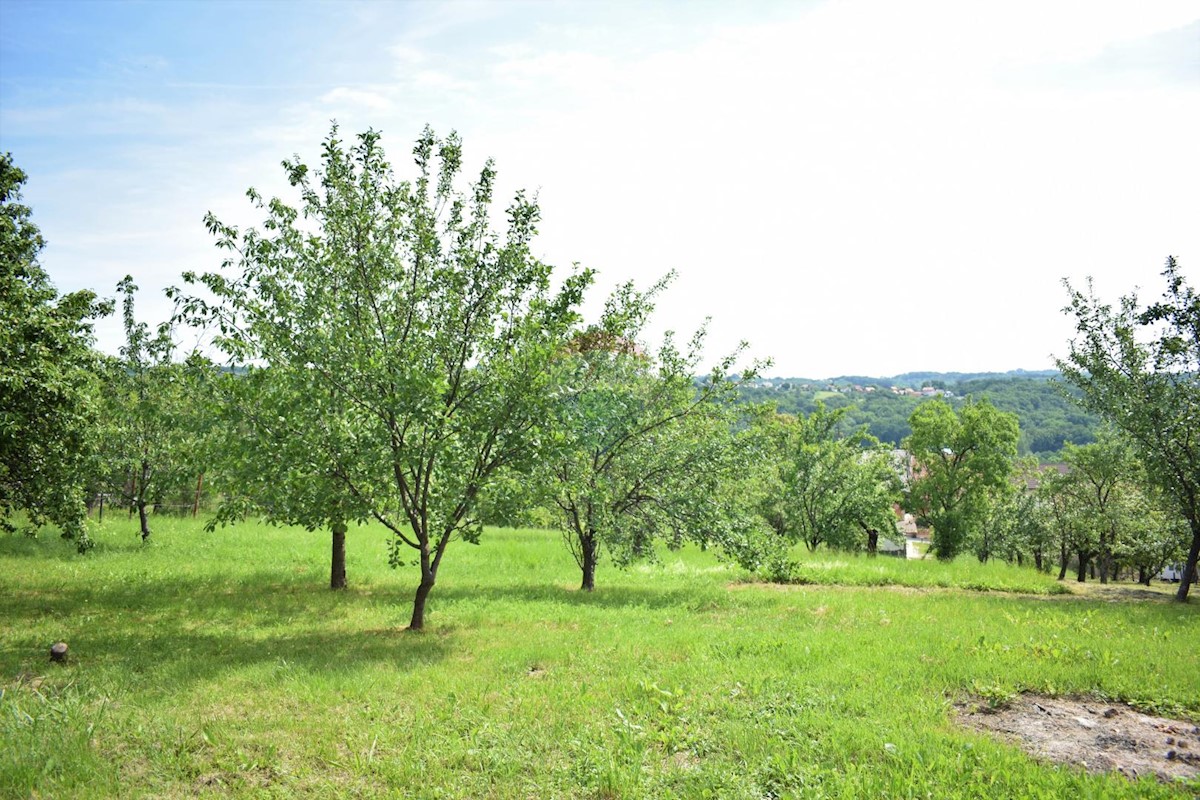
<point x="271" y="442"/>
<point x="964" y="459"/>
<point x="646" y="453"/>
<point x="47" y="378"/>
<point x="1072" y="532"/>
<point x="1157" y="536"/>
<point x="150" y="444"/>
<point x="1100" y="482"/>
<point x="418" y="343"/>
<point x="1139" y="369"/>
<point x="832" y="487"/>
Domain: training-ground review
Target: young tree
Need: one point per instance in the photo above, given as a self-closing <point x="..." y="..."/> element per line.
<point x="1157" y="536"/>
<point x="964" y="459"/>
<point x="1100" y="479"/>
<point x="645" y="452"/>
<point x="1016" y="524"/>
<point x="47" y="378"/>
<point x="1073" y="532"/>
<point x="150" y="443"/>
<point x="1139" y="369"/>
<point x="421" y="342"/>
<point x="267" y="423"/>
<point x="833" y="487"/>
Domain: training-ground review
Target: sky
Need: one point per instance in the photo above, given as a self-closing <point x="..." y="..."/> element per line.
<point x="851" y="186"/>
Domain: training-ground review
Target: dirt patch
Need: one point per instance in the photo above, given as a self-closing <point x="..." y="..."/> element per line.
<point x="1118" y="591"/>
<point x="1100" y="737"/>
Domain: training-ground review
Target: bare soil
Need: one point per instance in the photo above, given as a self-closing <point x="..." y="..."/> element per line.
<point x="1098" y="736"/>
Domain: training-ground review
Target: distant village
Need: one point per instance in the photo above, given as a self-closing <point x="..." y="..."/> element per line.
<point x="785" y="385"/>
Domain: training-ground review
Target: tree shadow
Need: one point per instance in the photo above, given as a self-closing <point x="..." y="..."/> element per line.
<point x="604" y="597"/>
<point x="176" y="631"/>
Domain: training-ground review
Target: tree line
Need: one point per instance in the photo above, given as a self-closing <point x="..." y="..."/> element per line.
<point x="382" y="354"/>
<point x="1048" y="408"/>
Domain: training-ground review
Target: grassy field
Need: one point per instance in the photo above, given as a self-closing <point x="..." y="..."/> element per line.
<point x="219" y="664"/>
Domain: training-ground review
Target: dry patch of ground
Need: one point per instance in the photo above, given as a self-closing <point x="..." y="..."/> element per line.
<point x="1100" y="737"/>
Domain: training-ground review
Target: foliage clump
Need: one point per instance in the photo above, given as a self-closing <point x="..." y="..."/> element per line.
<point x="48" y="385"/>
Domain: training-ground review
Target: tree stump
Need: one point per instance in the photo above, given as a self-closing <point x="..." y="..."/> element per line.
<point x="58" y="652"/>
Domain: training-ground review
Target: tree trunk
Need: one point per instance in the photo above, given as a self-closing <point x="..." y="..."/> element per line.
<point x="1081" y="575"/>
<point x="428" y="579"/>
<point x="872" y="543"/>
<point x="1189" y="567"/>
<point x="589" y="549"/>
<point x="337" y="561"/>
<point x="1143" y="576"/>
<point x="196" y="502"/>
<point x="141" y="501"/>
<point x="1062" y="555"/>
<point x="1037" y="560"/>
<point x="141" y="504"/>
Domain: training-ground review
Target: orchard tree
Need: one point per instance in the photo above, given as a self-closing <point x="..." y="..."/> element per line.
<point x="418" y="343"/>
<point x="271" y="440"/>
<point x="1139" y="369"/>
<point x="833" y="486"/>
<point x="1101" y="485"/>
<point x="151" y="437"/>
<point x="1018" y="522"/>
<point x="646" y="453"/>
<point x="1073" y="533"/>
<point x="1158" y="535"/>
<point x="47" y="378"/>
<point x="964" y="461"/>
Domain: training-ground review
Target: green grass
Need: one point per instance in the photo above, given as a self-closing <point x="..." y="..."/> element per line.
<point x="219" y="664"/>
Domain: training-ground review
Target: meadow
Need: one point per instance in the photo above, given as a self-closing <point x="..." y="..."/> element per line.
<point x="220" y="664"/>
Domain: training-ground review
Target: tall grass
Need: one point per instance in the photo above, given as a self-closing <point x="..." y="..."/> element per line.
<point x="220" y="664"/>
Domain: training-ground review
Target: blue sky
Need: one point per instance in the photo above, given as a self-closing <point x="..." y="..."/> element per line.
<point x="854" y="186"/>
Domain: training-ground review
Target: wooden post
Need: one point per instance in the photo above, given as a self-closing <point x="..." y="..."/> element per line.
<point x="196" y="504"/>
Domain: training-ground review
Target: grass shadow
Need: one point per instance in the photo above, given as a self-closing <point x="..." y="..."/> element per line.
<point x="150" y="627"/>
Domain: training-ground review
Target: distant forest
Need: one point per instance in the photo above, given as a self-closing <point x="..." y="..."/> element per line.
<point x="1047" y="417"/>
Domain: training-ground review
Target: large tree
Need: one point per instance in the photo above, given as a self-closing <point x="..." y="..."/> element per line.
<point x="47" y="378"/>
<point x="645" y="452"/>
<point x="1139" y="369"/>
<point x="964" y="461"/>
<point x="420" y="342"/>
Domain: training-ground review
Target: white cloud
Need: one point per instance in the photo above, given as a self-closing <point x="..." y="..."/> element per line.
<point x="344" y="96"/>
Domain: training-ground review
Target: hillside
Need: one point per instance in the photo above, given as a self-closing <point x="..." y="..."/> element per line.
<point x="1047" y="417"/>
